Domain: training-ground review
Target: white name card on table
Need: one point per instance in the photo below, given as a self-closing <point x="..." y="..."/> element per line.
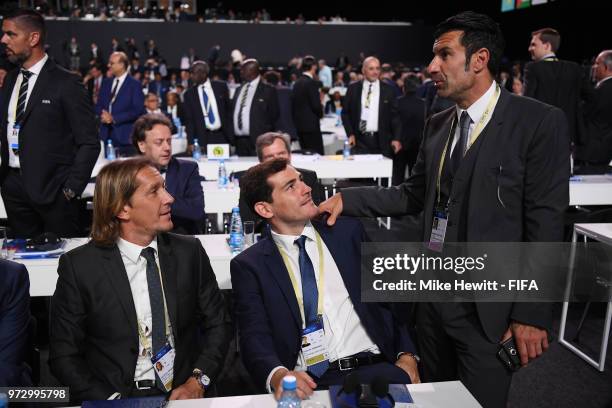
<point x="218" y="151"/>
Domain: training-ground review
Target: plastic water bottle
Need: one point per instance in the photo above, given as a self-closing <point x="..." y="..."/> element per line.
<point x="197" y="152"/>
<point x="236" y="241"/>
<point x="3" y="400"/>
<point x="289" y="398"/>
<point x="110" y="150"/>
<point x="177" y="125"/>
<point x="222" y="179"/>
<point x="346" y="150"/>
<point x="338" y="117"/>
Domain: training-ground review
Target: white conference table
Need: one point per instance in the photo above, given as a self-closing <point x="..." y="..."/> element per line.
<point x="43" y="272"/>
<point x="427" y="395"/>
<point x="591" y="190"/>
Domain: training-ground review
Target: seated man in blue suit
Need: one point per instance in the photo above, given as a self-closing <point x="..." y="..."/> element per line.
<point x="120" y="103"/>
<point x="298" y="294"/>
<point x="153" y="139"/>
<point x="14" y="320"/>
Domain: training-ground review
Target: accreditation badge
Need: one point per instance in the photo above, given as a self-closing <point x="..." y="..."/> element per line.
<point x="163" y="364"/>
<point x="13" y="140"/>
<point x="313" y="344"/>
<point x="438" y="231"/>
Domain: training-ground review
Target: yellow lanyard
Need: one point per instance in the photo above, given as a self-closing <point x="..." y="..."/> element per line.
<point x="143" y="338"/>
<point x="296" y="289"/>
<point x="484" y="119"/>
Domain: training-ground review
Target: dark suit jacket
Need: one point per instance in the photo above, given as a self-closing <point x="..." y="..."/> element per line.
<point x="306" y="104"/>
<point x="128" y="106"/>
<point x="411" y="111"/>
<point x="195" y="124"/>
<point x="93" y="336"/>
<point x="557" y="83"/>
<point x="264" y="112"/>
<point x="14" y="320"/>
<point x="285" y="116"/>
<point x="268" y="314"/>
<point x="597" y="125"/>
<point x="389" y="126"/>
<point x="183" y="183"/>
<point x="310" y="178"/>
<point x="57" y="142"/>
<point x="529" y="140"/>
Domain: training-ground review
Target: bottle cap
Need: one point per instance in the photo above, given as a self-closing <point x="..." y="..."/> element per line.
<point x="289" y="383"/>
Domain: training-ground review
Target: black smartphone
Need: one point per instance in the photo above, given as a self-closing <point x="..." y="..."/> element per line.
<point x="509" y="356"/>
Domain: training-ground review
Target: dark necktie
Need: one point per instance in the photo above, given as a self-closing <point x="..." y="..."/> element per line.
<point x="243" y="99"/>
<point x="461" y="146"/>
<point x="23" y="93"/>
<point x="208" y="107"/>
<point x="363" y="124"/>
<point x="310" y="296"/>
<point x="113" y="92"/>
<point x="156" y="297"/>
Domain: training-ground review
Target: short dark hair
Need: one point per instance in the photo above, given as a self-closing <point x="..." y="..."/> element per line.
<point x="145" y="123"/>
<point x="267" y="139"/>
<point x="254" y="183"/>
<point x="308" y="62"/>
<point x="550" y="36"/>
<point x="479" y="31"/>
<point x="32" y="20"/>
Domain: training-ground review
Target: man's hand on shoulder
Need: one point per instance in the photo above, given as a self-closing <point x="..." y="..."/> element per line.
<point x="331" y="206"/>
<point x="190" y="390"/>
<point x="408" y="363"/>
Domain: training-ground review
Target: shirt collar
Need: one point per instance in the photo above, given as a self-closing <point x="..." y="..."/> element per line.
<point x="477" y="109"/>
<point x="132" y="251"/>
<point x="308" y="74"/>
<point x="367" y="83"/>
<point x="551" y="55"/>
<point x="122" y="77"/>
<point x="206" y="84"/>
<point x="255" y="82"/>
<point x="287" y="241"/>
<point x="36" y="68"/>
<point x="602" y="81"/>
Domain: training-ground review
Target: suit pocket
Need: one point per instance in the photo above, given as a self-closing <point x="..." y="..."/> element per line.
<point x="509" y="186"/>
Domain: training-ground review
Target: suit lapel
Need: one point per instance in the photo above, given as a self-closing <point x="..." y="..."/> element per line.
<point x="41" y="83"/>
<point x="172" y="175"/>
<point x="274" y="263"/>
<point x="7" y="91"/>
<point x="115" y="271"/>
<point x="169" y="272"/>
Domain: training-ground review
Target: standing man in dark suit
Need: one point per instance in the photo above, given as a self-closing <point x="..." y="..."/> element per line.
<point x="48" y="134"/>
<point x="271" y="146"/>
<point x="595" y="154"/>
<point x="134" y="293"/>
<point x="553" y="81"/>
<point x="369" y="114"/>
<point x="14" y="322"/>
<point x="307" y="108"/>
<point x="278" y="284"/>
<point x="94" y="81"/>
<point x="120" y="103"/>
<point x="411" y="110"/>
<point x="254" y="109"/>
<point x="152" y="138"/>
<point x="207" y="108"/>
<point x="503" y="177"/>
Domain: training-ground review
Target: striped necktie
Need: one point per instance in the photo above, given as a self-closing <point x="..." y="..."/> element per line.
<point x="243" y="99"/>
<point x="23" y="93"/>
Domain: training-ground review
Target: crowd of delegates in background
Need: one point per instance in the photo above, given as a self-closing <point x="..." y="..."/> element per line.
<point x="178" y="13"/>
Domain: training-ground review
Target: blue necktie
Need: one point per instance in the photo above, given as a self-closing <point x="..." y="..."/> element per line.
<point x="310" y="295"/>
<point x="156" y="297"/>
<point x="209" y="113"/>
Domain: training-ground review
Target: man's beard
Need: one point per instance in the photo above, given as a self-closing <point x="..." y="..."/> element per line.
<point x="18" y="59"/>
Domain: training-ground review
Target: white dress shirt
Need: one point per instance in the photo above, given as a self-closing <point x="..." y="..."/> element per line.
<point x="475" y="111"/>
<point x="370" y="114"/>
<point x="172" y="111"/>
<point x="12" y="113"/>
<point x="246" y="112"/>
<point x="212" y="104"/>
<point x="136" y="269"/>
<point x="121" y="81"/>
<point x="344" y="333"/>
<point x="602" y="81"/>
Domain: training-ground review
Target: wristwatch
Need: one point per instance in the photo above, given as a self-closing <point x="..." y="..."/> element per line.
<point x="68" y="193"/>
<point x="201" y="378"/>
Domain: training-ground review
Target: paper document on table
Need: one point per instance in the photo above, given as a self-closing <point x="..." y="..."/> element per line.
<point x="368" y="157"/>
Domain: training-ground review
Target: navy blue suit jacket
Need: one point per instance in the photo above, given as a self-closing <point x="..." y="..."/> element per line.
<point x="14" y="320"/>
<point x="128" y="106"/>
<point x="183" y="182"/>
<point x="268" y="313"/>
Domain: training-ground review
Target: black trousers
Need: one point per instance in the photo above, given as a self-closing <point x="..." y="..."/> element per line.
<point x="312" y="141"/>
<point x="244" y="146"/>
<point x="453" y="346"/>
<point x="28" y="219"/>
